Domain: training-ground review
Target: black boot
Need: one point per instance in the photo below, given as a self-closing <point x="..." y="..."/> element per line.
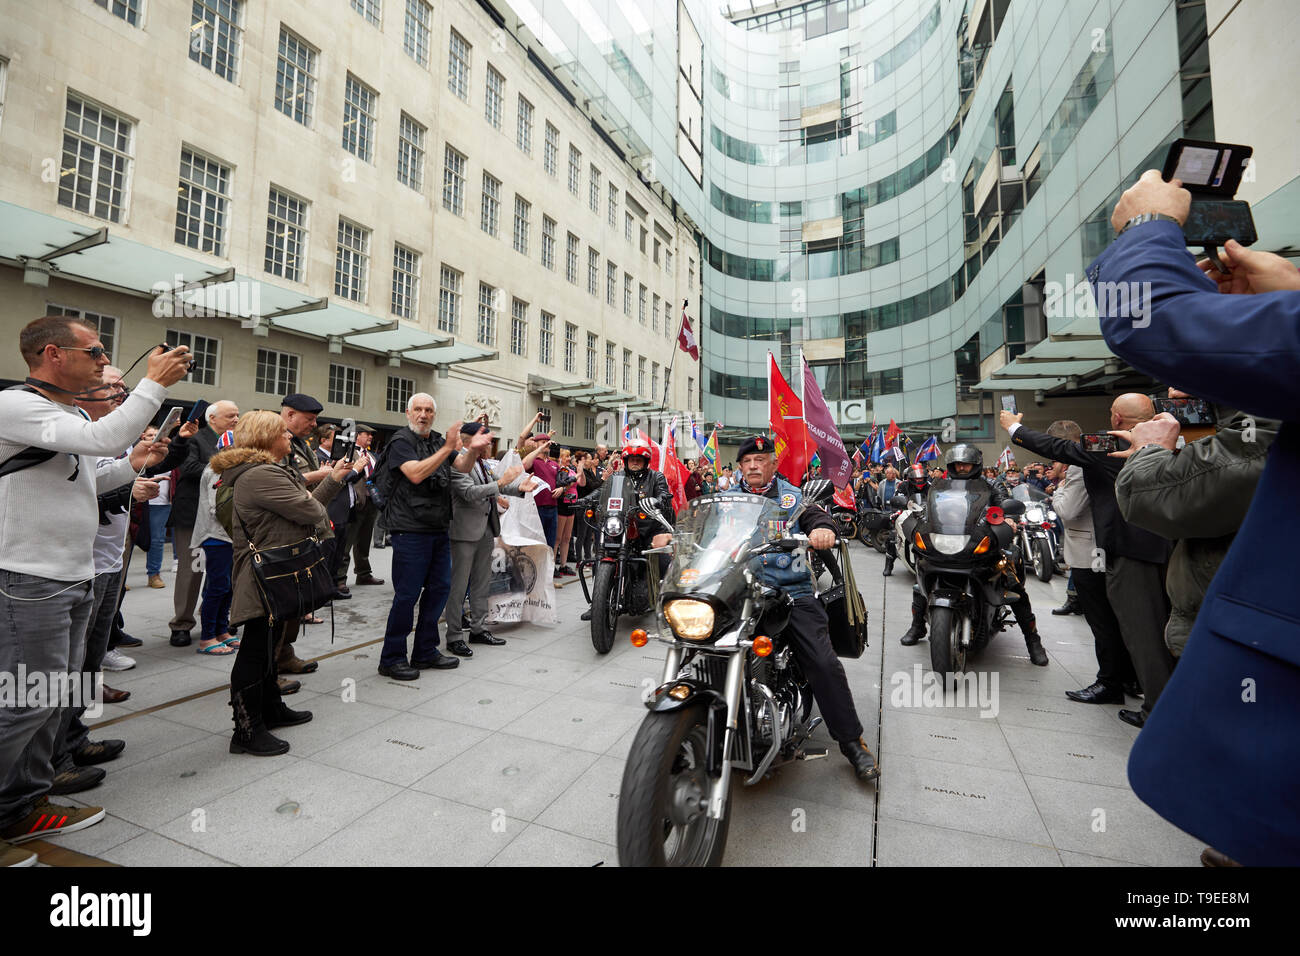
<point x="889" y="567"/>
<point x="585" y="615"/>
<point x="251" y="735"/>
<point x="1034" y="644"/>
<point x="860" y="755"/>
<point x="1071" y="606"/>
<point x="917" y="631"/>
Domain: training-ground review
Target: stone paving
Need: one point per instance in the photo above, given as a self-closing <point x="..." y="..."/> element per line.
<point x="516" y="757"/>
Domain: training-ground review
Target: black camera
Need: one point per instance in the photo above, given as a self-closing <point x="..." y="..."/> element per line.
<point x="1212" y="173"/>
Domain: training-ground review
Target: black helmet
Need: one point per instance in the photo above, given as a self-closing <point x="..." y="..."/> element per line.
<point x="965" y="455"/>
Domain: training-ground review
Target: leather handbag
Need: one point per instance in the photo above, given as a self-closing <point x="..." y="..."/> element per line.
<point x="846" y="612"/>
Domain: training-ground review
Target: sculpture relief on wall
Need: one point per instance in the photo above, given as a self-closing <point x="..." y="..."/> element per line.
<point x="477" y="405"/>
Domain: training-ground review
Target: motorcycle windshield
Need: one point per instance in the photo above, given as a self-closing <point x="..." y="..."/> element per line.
<point x="612" y="500"/>
<point x="715" y="534"/>
<point x="1028" y="493"/>
<point x="954" y="506"/>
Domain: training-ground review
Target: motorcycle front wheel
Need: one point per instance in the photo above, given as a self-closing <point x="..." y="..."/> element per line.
<point x="604" y="606"/>
<point x="880" y="539"/>
<point x="1043" y="564"/>
<point x="664" y="796"/>
<point x="947" y="657"/>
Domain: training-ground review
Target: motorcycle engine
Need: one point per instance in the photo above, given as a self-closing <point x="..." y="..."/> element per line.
<point x="788" y="701"/>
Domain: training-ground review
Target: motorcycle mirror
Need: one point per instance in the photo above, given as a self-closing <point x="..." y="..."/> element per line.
<point x="1014" y="507"/>
<point x="651" y="507"/>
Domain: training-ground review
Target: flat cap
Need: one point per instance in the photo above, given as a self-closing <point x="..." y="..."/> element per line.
<point x="303" y="403"/>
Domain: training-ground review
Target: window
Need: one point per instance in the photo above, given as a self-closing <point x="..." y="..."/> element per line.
<point x="575" y="169"/>
<point x="518" y="327"/>
<point x="488" y="220"/>
<point x="368" y="9"/>
<point x="595" y="190"/>
<point x="591" y="356"/>
<point x="550" y="149"/>
<point x="344" y="385"/>
<point x="593" y="272"/>
<point x="546" y="340"/>
<point x="448" y="302"/>
<point x="359" y="119"/>
<point x="654" y="379"/>
<point x="640" y="375"/>
<point x="295" y="78"/>
<point x="643" y="235"/>
<point x="277" y="373"/>
<point x="458" y="66"/>
<point x="567" y="420"/>
<point x="640" y="305"/>
<point x="589" y="429"/>
<point x="453" y="182"/>
<point x="571" y="260"/>
<point x="286" y="235"/>
<point x="690" y="392"/>
<point x="524" y="126"/>
<point x="352" y="261"/>
<point x="96" y="173"/>
<point x="548" y="242"/>
<point x="627" y="370"/>
<point x="690" y="273"/>
<point x="410" y="153"/>
<point x="655" y="257"/>
<point x="206" y="353"/>
<point x="613" y="205"/>
<point x="610" y="363"/>
<point x="215" y="34"/>
<point x="654" y="315"/>
<point x="627" y="295"/>
<point x="523" y="209"/>
<point x="570" y="347"/>
<point x="406" y="282"/>
<point x="398" y="393"/>
<point x="627" y="226"/>
<point x="493" y="98"/>
<point x="105" y="325"/>
<point x="416" y="35"/>
<point x="4" y="71"/>
<point x="668" y="318"/>
<point x="611" y="283"/>
<point x="201" y="200"/>
<point x="668" y="262"/>
<point x="487" y="314"/>
<point x="128" y="10"/>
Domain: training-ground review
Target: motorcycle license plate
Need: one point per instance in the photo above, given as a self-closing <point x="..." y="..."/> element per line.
<point x="615" y="504"/>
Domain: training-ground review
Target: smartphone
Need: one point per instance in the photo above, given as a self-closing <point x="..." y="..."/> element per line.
<point x="1100" y="443"/>
<point x="1009" y="404"/>
<point x="197" y="412"/>
<point x="1188" y="411"/>
<point x="544" y="423"/>
<point x="170" y="424"/>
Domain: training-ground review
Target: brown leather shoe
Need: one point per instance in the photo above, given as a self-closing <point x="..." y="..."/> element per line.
<point x="114" y="696"/>
<point x="296" y="665"/>
<point x="288" y="686"/>
<point x="368" y="579"/>
<point x="1212" y="857"/>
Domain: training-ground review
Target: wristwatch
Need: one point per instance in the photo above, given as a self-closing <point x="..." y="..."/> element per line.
<point x="1146" y="217"/>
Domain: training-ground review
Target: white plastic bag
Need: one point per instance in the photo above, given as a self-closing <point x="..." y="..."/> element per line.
<point x="523" y="564"/>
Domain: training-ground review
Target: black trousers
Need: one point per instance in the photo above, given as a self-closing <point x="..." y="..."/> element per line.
<point x="253" y="687"/>
<point x="1022" y="610"/>
<point x="1137" y="593"/>
<point x="1114" y="666"/>
<point x="809" y="634"/>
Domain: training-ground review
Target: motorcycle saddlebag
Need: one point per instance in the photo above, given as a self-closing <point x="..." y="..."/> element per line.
<point x="875" y="520"/>
<point x="848" y="639"/>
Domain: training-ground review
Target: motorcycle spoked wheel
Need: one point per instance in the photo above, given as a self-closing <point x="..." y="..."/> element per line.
<point x="604" y="607"/>
<point x="661" y="821"/>
<point x="1043" y="563"/>
<point x="947" y="655"/>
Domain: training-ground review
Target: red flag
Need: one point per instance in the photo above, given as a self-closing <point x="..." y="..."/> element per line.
<point x="844" y="498"/>
<point x="674" y="471"/>
<point x="785" y="418"/>
<point x="686" y="337"/>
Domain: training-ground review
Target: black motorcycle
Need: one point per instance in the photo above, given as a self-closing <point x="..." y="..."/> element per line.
<point x="1037" y="530"/>
<point x="960" y="543"/>
<point x="621" y="579"/>
<point x="732" y="696"/>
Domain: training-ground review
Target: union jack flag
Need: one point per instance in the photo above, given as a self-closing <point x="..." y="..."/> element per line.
<point x="227" y="439"/>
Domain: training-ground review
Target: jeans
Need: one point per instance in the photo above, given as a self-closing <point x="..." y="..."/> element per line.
<point x="421" y="573"/>
<point x="42" y="627"/>
<point x="73" y="734"/>
<point x="214" y="612"/>
<point x="550" y="516"/>
<point x="157" y="515"/>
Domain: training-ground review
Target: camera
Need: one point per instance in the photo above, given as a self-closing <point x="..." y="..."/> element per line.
<point x="1212" y="173"/>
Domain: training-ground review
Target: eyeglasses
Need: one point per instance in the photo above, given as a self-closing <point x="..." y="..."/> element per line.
<point x="96" y="351"/>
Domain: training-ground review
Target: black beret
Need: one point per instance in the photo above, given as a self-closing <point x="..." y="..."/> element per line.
<point x="471" y="428"/>
<point x="303" y="403"/>
<point x="757" y="445"/>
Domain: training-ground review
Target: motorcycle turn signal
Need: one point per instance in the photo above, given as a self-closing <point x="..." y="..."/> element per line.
<point x="640" y="638"/>
<point x="762" y="646"/>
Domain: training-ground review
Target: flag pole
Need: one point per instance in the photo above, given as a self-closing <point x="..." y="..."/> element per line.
<point x="803" y="408"/>
<point x="677" y="347"/>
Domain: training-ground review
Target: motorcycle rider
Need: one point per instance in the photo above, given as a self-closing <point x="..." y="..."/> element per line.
<point x="808" y="628"/>
<point x="914" y="489"/>
<point x="965" y="462"/>
<point x="645" y="483"/>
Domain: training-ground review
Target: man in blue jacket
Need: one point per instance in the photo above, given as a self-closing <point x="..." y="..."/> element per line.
<point x="1220" y="756"/>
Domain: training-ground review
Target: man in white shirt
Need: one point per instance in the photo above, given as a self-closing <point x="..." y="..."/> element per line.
<point x="49" y="514"/>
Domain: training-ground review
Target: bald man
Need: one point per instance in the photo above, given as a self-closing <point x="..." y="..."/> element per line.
<point x="1133" y="559"/>
<point x="221" y="417"/>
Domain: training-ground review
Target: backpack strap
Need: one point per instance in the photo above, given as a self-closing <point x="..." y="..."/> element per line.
<point x="29" y="456"/>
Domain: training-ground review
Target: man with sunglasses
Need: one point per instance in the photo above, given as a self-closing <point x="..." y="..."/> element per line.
<point x="49" y="514"/>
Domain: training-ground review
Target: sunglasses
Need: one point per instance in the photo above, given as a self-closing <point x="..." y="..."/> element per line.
<point x="96" y="351"/>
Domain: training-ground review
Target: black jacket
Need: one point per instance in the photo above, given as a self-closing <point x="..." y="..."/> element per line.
<point x="422" y="508"/>
<point x="1114" y="535"/>
<point x="648" y="484"/>
<point x="185" y="499"/>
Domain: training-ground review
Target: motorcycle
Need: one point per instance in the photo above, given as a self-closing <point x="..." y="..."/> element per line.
<point x="846" y="521"/>
<point x="732" y="697"/>
<point x="907" y="514"/>
<point x="621" y="578"/>
<point x="1037" y="530"/>
<point x="961" y="543"/>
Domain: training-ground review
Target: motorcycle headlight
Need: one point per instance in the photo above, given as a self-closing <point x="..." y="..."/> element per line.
<point x="690" y="620"/>
<point x="1051" y="516"/>
<point x="949" y="543"/>
<point x="614" y="525"/>
<point x="1035" y="515"/>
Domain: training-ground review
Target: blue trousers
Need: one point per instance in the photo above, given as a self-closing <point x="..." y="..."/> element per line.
<point x="214" y="612"/>
<point x="157" y="515"/>
<point x="550" y="516"/>
<point x="421" y="574"/>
